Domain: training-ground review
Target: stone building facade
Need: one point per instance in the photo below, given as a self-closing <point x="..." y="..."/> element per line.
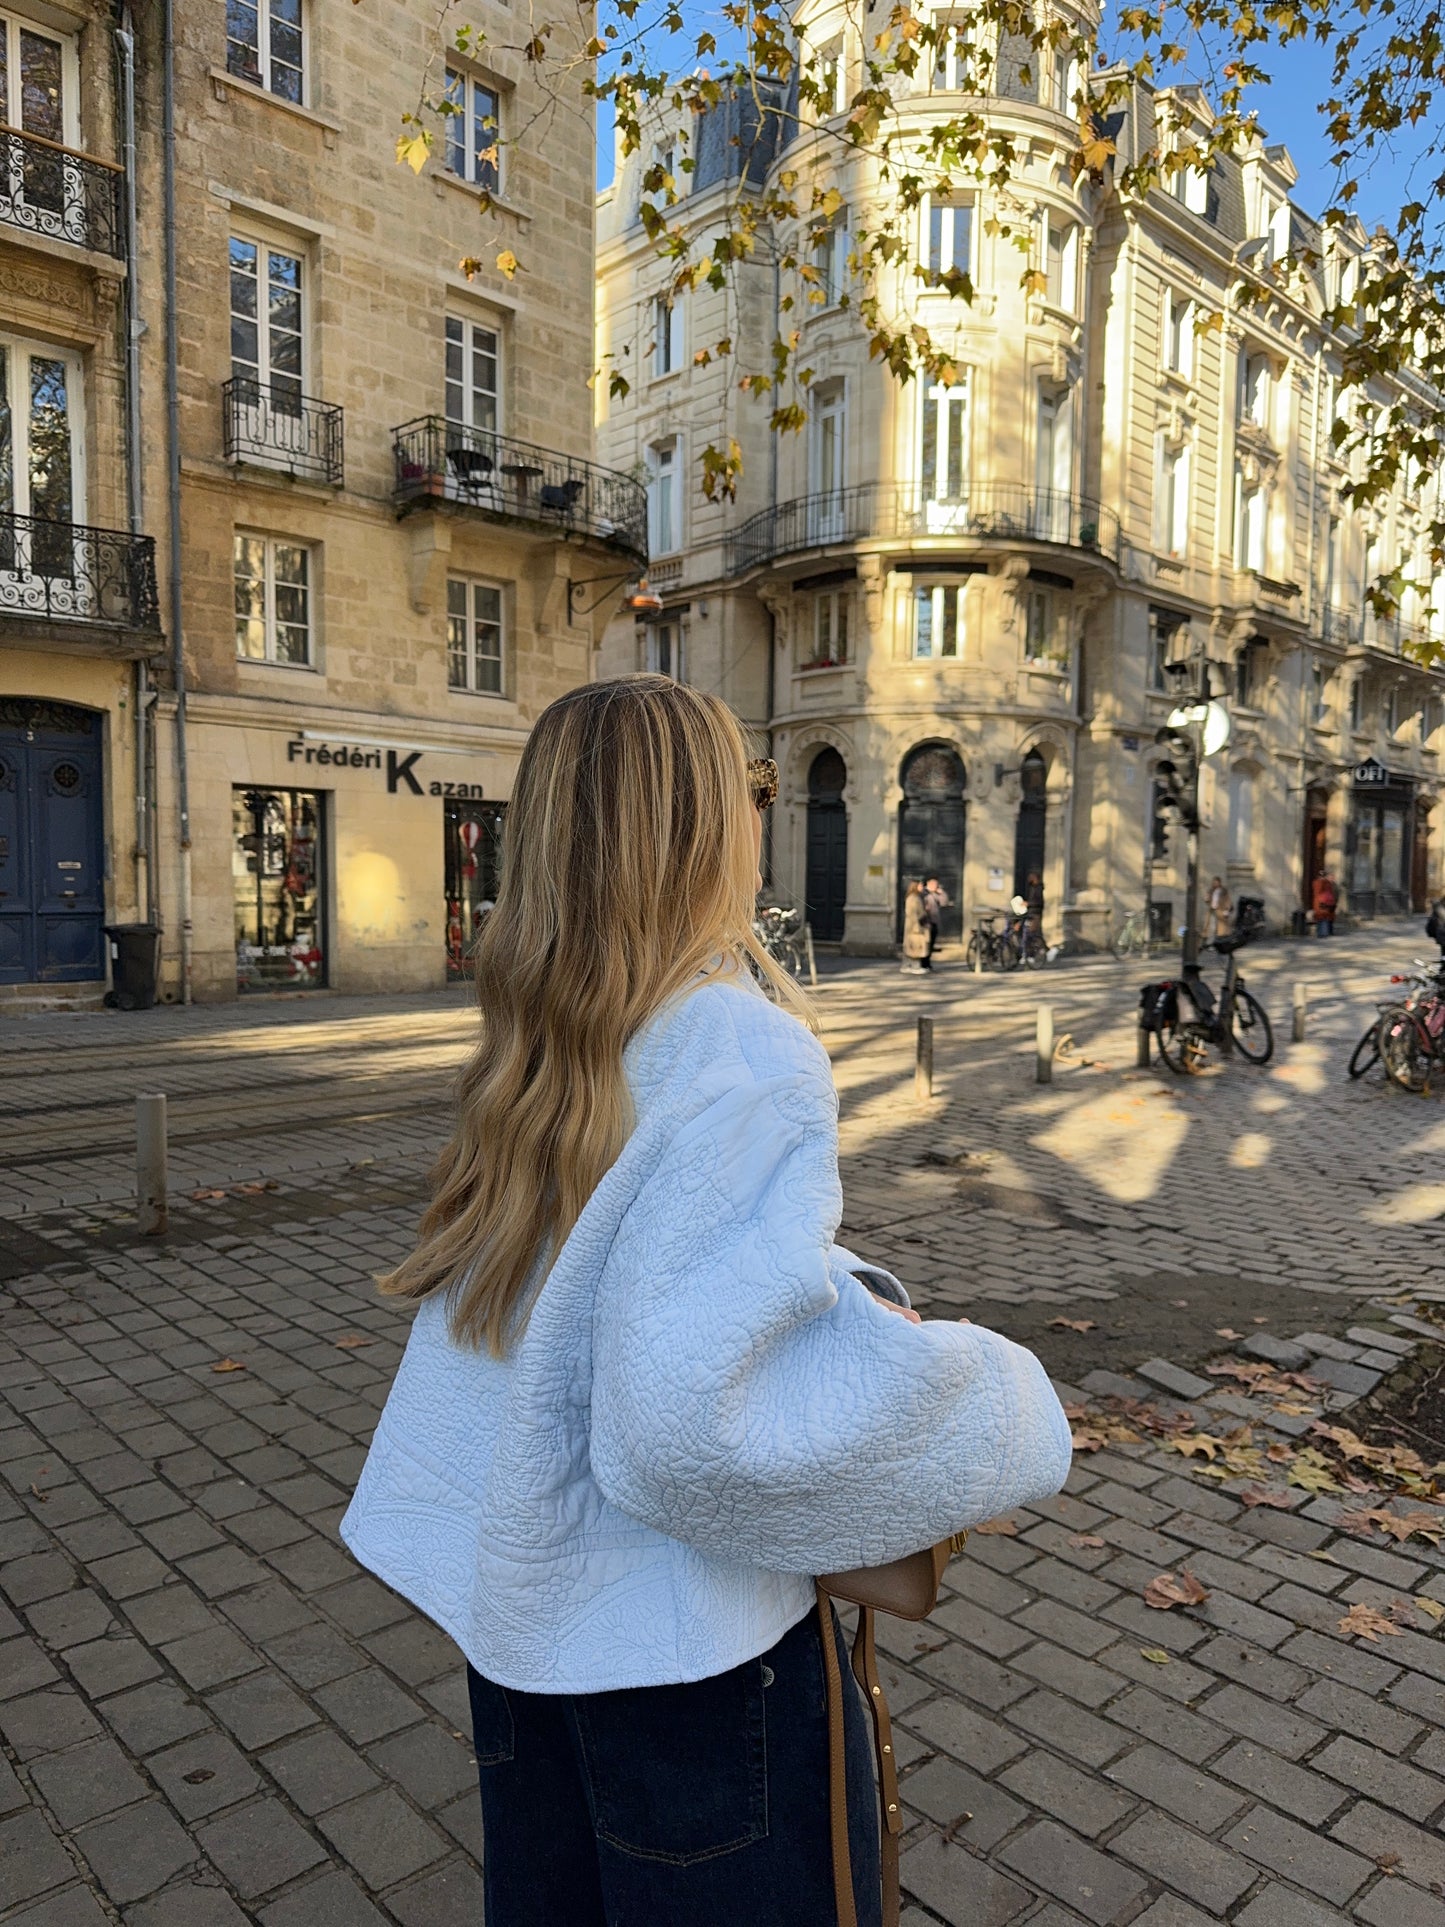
<point x="963" y="612"/>
<point x="394" y="544"/>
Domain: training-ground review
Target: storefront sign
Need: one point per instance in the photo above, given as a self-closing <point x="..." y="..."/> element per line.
<point x="400" y="765"/>
<point x="1371" y="775"/>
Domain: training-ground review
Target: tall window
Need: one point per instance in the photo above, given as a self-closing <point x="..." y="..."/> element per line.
<point x="1251" y="523"/>
<point x="938" y="621"/>
<point x="830" y="264"/>
<point x="1178" y="334"/>
<point x="1171" y="497"/>
<point x="1165" y="643"/>
<point x="1248" y="676"/>
<point x="474" y="636"/>
<point x="474" y="131"/>
<point x="264" y="45"/>
<point x="953" y="56"/>
<point x="1254" y="396"/>
<point x="666" y="652"/>
<point x="948" y="231"/>
<point x="1357" y="703"/>
<point x="1046" y="635"/>
<point x="944" y="468"/>
<point x="267" y="339"/>
<point x="824" y="640"/>
<point x="1060" y="246"/>
<point x="1241" y="816"/>
<point x="473" y="374"/>
<point x="664" y="499"/>
<point x="40" y="413"/>
<point x="1332" y="566"/>
<point x="273" y="599"/>
<point x="1319" y="700"/>
<point x="1068" y="76"/>
<point x="831" y="79"/>
<point x="667" y="347"/>
<point x="1054" y="450"/>
<point x="1192" y="186"/>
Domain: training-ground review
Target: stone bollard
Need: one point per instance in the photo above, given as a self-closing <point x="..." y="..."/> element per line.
<point x="923" y="1061"/>
<point x="1044" y="1044"/>
<point x="150" y="1164"/>
<point x="1141" y="1047"/>
<point x="812" y="960"/>
<point x="1299" y="1013"/>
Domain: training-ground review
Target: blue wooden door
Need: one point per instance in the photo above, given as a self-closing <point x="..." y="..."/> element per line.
<point x="52" y="884"/>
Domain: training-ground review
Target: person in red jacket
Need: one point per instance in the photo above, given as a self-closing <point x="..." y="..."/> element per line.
<point x="1323" y="898"/>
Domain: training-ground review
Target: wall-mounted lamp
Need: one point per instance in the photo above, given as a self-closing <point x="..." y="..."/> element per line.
<point x="642" y="601"/>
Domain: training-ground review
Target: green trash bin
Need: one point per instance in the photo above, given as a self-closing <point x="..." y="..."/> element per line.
<point x="135" y="965"/>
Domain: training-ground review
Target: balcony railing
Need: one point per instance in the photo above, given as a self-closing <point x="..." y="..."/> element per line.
<point x="63" y="572"/>
<point x="438" y="460"/>
<point x="275" y="426"/>
<point x="989" y="511"/>
<point x="53" y="190"/>
<point x="1340" y="629"/>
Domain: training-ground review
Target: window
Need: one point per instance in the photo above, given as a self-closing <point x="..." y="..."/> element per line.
<point x="1191" y="185"/>
<point x="1241" y="816"/>
<point x="1318" y="698"/>
<point x="41" y="473"/>
<point x="1254" y="394"/>
<point x="664" y="499"/>
<point x="1251" y="520"/>
<point x="1248" y="676"/>
<point x="1060" y="262"/>
<point x="1392" y="711"/>
<point x="273" y="599"/>
<point x="267" y="339"/>
<point x="473" y="374"/>
<point x="831" y="79"/>
<point x="945" y="442"/>
<point x="1054" y="464"/>
<point x="830" y="264"/>
<point x="1171" y="498"/>
<point x="1357" y="703"/>
<point x="953" y="56"/>
<point x="827" y="444"/>
<point x="264" y="46"/>
<point x="667" y="335"/>
<point x="1167" y="639"/>
<point x="1178" y="334"/>
<point x="1067" y="81"/>
<point x="938" y="622"/>
<point x="948" y="232"/>
<point x="1046" y="636"/>
<point x="824" y="639"/>
<point x="1274" y="222"/>
<point x="666" y="650"/>
<point x="474" y="131"/>
<point x="1332" y="566"/>
<point x="474" y="636"/>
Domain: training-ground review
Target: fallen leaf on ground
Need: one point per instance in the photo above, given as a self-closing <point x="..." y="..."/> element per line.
<point x="44" y="1497"/>
<point x="1089" y="1539"/>
<point x="1365" y="1622"/>
<point x="1313" y="1473"/>
<point x="1259" y="1321"/>
<point x="1004" y="1527"/>
<point x="228" y="1365"/>
<point x="1387" y="1862"/>
<point x="1156" y="1655"/>
<point x="1279" y="1453"/>
<point x="1166" y="1591"/>
<point x="1254" y="1495"/>
<point x="960" y="1820"/>
<point x="353" y="1342"/>
<point x="1432" y="1607"/>
<point x="1192" y="1444"/>
<point x="1179" y="1303"/>
<point x="1397" y="1526"/>
<point x="1224" y="1331"/>
<point x="199" y="1196"/>
<point x="1071" y="1324"/>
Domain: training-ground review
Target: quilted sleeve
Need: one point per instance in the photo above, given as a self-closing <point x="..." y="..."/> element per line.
<point x="749" y="1395"/>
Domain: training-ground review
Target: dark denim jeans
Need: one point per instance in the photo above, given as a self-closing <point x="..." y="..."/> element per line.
<point x="675" y="1806"/>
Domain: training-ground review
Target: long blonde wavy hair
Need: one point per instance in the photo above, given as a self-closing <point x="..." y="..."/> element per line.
<point x="629" y="871"/>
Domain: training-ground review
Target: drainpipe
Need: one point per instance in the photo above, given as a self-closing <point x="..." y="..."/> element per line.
<point x="173" y="491"/>
<point x="144" y="695"/>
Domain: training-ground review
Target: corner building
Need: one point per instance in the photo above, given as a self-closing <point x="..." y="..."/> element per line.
<point x="957" y="610"/>
<point x="394" y="543"/>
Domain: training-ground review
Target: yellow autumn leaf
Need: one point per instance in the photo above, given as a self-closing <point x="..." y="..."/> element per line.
<point x="1156" y="1655"/>
<point x="414" y="149"/>
<point x="507" y="264"/>
<point x="1431" y="1606"/>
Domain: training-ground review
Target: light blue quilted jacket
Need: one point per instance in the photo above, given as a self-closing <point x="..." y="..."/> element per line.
<point x="707" y="1406"/>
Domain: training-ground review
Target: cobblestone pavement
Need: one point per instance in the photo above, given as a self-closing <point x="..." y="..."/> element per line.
<point x="210" y="1716"/>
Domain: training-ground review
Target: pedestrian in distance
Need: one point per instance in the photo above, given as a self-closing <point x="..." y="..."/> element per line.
<point x="1324" y="900"/>
<point x="1218" y="910"/>
<point x="646" y="1397"/>
<point x="917" y="934"/>
<point x="935" y="902"/>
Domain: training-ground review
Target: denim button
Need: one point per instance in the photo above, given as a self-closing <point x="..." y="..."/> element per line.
<point x="767" y="1676"/>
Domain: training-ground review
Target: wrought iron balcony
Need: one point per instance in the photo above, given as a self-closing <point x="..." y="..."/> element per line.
<point x="56" y="191"/>
<point x="64" y="572"/>
<point x="883" y="511"/>
<point x="442" y="461"/>
<point x="272" y="424"/>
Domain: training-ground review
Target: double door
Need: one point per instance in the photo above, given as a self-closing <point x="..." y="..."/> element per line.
<point x="52" y="901"/>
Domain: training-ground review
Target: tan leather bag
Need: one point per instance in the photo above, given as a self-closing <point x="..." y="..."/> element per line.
<point x="908" y="1589"/>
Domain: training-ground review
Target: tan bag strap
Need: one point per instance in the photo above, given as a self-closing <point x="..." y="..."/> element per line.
<point x="865" y="1669"/>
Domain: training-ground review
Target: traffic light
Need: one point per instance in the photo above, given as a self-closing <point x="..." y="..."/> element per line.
<point x="1177" y="783"/>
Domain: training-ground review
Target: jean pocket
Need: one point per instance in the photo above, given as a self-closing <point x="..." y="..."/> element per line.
<point x="679" y="1773"/>
<point x="492" y="1731"/>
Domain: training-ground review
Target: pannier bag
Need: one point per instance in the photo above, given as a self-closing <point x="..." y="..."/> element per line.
<point x="1158" y="1006"/>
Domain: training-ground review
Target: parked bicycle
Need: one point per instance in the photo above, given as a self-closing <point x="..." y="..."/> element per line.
<point x="1425" y="976"/>
<point x="1183" y="1015"/>
<point x="1135" y="936"/>
<point x="780" y="929"/>
<point x="990" y="944"/>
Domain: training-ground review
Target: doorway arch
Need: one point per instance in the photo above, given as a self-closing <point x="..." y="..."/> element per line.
<point x="1031" y="831"/>
<point x="931" y="822"/>
<point x="825" y="888"/>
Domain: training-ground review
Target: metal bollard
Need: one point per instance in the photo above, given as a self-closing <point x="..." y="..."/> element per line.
<point x="1141" y="1049"/>
<point x="978" y="960"/>
<point x="923" y="1061"/>
<point x="1299" y="1013"/>
<point x="150" y="1164"/>
<point x="812" y="960"/>
<point x="1044" y="1044"/>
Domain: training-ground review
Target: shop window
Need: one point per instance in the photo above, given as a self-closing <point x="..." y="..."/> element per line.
<point x="277" y="889"/>
<point x="666" y="648"/>
<point x="824" y="641"/>
<point x="265" y="45"/>
<point x="667" y="346"/>
<point x="474" y="636"/>
<point x="948" y="238"/>
<point x="664" y="498"/>
<point x="474" y="131"/>
<point x="938" y="621"/>
<point x="273" y="599"/>
<point x="472" y="868"/>
<point x="268" y="341"/>
<point x="473" y="375"/>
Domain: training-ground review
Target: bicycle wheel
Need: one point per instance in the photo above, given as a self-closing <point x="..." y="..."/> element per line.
<point x="1008" y="951"/>
<point x="1366" y="1053"/>
<point x="1249" y="1027"/>
<point x="971" y="950"/>
<point x="1405" y="1051"/>
<point x="1184" y="1048"/>
<point x="1126" y="941"/>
